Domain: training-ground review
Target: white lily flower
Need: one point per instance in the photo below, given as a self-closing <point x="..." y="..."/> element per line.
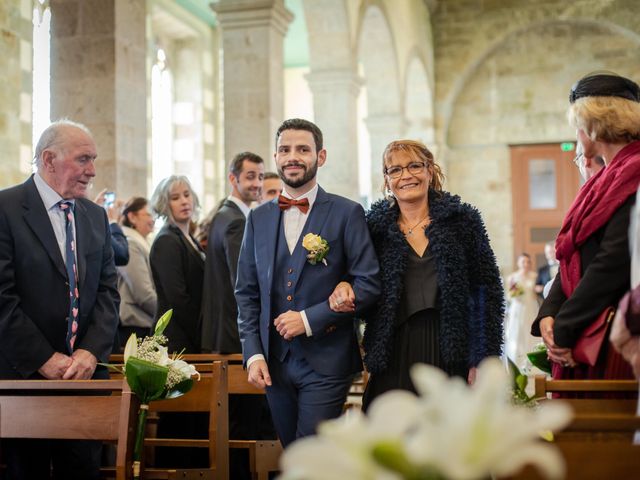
<point x="461" y="433"/>
<point x="186" y="370"/>
<point x="131" y="348"/>
<point x="342" y="449"/>
<point x="163" y="356"/>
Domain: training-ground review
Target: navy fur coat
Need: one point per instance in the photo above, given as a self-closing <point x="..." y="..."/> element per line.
<point x="471" y="293"/>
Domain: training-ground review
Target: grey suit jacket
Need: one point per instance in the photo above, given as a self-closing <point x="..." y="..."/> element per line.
<point x="219" y="308"/>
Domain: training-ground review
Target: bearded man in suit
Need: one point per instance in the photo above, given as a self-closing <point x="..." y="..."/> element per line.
<point x="293" y="344"/>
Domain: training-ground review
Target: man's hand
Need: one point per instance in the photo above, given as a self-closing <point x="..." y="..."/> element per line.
<point x="55" y="367"/>
<point x="554" y="352"/>
<point x="82" y="367"/>
<point x="343" y="299"/>
<point x="259" y="374"/>
<point x="289" y="324"/>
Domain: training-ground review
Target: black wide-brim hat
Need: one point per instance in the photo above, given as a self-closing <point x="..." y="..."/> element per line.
<point x="605" y="85"/>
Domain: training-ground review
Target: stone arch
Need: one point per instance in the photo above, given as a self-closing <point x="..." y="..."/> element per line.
<point x="378" y="59"/>
<point x="418" y="100"/>
<point x="579" y="24"/>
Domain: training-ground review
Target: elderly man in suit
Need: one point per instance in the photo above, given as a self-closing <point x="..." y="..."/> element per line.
<point x="58" y="295"/>
<point x="293" y="343"/>
<point x="220" y="311"/>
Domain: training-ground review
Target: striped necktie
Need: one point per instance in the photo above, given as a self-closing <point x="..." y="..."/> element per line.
<point x="72" y="273"/>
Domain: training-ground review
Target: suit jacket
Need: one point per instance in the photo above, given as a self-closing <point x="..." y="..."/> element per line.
<point x="138" y="295"/>
<point x="178" y="270"/>
<point x="34" y="295"/>
<point x="544" y="275"/>
<point x="219" y="308"/>
<point x="120" y="245"/>
<point x="333" y="348"/>
<point x="605" y="264"/>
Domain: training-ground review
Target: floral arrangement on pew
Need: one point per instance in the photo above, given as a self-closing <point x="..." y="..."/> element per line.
<point x="450" y="431"/>
<point x="153" y="375"/>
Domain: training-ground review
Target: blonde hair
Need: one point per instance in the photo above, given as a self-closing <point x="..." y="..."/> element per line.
<point x="420" y="152"/>
<point x="606" y="119"/>
<point x="161" y="198"/>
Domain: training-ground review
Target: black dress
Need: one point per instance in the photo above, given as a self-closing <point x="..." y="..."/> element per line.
<point x="416" y="332"/>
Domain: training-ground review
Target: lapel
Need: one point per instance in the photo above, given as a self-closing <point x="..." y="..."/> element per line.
<point x="315" y="222"/>
<point x="267" y="229"/>
<point x="83" y="235"/>
<point x="195" y="255"/>
<point x="38" y="220"/>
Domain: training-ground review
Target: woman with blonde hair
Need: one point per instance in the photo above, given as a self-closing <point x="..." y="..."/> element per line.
<point x="442" y="299"/>
<point x="177" y="263"/>
<point x="592" y="245"/>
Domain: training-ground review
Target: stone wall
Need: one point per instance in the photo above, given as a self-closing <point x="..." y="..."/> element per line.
<point x="15" y="91"/>
<point x="503" y="74"/>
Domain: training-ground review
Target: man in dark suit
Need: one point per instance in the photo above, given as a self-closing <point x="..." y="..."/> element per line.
<point x="58" y="295"/>
<point x="248" y="414"/>
<point x="293" y="343"/>
<point x="547" y="272"/>
<point x="220" y="311"/>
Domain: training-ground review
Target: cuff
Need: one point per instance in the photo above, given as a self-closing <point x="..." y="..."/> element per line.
<point x="305" y="321"/>
<point x="253" y="358"/>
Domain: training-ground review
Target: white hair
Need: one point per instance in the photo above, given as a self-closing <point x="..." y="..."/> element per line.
<point x="52" y="136"/>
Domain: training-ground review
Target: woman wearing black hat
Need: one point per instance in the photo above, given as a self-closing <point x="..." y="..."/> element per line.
<point x="593" y="246"/>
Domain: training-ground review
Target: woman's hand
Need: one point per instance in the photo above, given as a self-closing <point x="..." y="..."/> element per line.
<point x="343" y="299"/>
<point x="554" y="352"/>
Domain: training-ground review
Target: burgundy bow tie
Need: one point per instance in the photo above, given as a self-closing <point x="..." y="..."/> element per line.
<point x="286" y="203"/>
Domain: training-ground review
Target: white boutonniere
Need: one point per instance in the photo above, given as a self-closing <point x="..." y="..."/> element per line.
<point x="317" y="248"/>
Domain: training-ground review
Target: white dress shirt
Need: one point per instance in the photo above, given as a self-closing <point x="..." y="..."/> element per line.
<point x="51" y="198"/>
<point x="241" y="205"/>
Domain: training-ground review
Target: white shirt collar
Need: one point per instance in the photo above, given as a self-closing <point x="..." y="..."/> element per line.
<point x="310" y="195"/>
<point x="241" y="205"/>
<point x="49" y="196"/>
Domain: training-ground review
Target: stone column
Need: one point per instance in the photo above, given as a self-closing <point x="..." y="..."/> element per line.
<point x="382" y="130"/>
<point x="335" y="106"/>
<point x="98" y="77"/>
<point x="252" y="42"/>
<point x="15" y="91"/>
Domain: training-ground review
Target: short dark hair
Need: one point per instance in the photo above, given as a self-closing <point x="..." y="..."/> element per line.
<point x="235" y="166"/>
<point x="301" y="124"/>
<point x="270" y="175"/>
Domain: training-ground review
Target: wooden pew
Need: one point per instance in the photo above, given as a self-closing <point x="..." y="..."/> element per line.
<point x="67" y="409"/>
<point x="208" y="395"/>
<point x="264" y="455"/>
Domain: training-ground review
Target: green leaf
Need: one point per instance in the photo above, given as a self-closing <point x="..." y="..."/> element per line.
<point x="163" y="321"/>
<point x="147" y="380"/>
<point x="539" y="359"/>
<point x="180" y="389"/>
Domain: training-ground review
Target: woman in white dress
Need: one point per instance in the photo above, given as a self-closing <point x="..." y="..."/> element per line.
<point x="523" y="308"/>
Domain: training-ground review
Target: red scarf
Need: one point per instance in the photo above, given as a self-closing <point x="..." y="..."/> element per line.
<point x="598" y="199"/>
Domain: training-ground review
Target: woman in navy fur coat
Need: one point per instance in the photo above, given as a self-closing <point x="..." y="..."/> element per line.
<point x="442" y="299"/>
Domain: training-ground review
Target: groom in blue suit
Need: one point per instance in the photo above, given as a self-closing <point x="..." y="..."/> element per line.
<point x="293" y="344"/>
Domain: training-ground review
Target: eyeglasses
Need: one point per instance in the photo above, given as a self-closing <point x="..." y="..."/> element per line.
<point x="414" y="168"/>
<point x="578" y="159"/>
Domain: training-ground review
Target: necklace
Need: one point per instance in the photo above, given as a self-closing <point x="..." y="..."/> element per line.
<point x="411" y="229"/>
